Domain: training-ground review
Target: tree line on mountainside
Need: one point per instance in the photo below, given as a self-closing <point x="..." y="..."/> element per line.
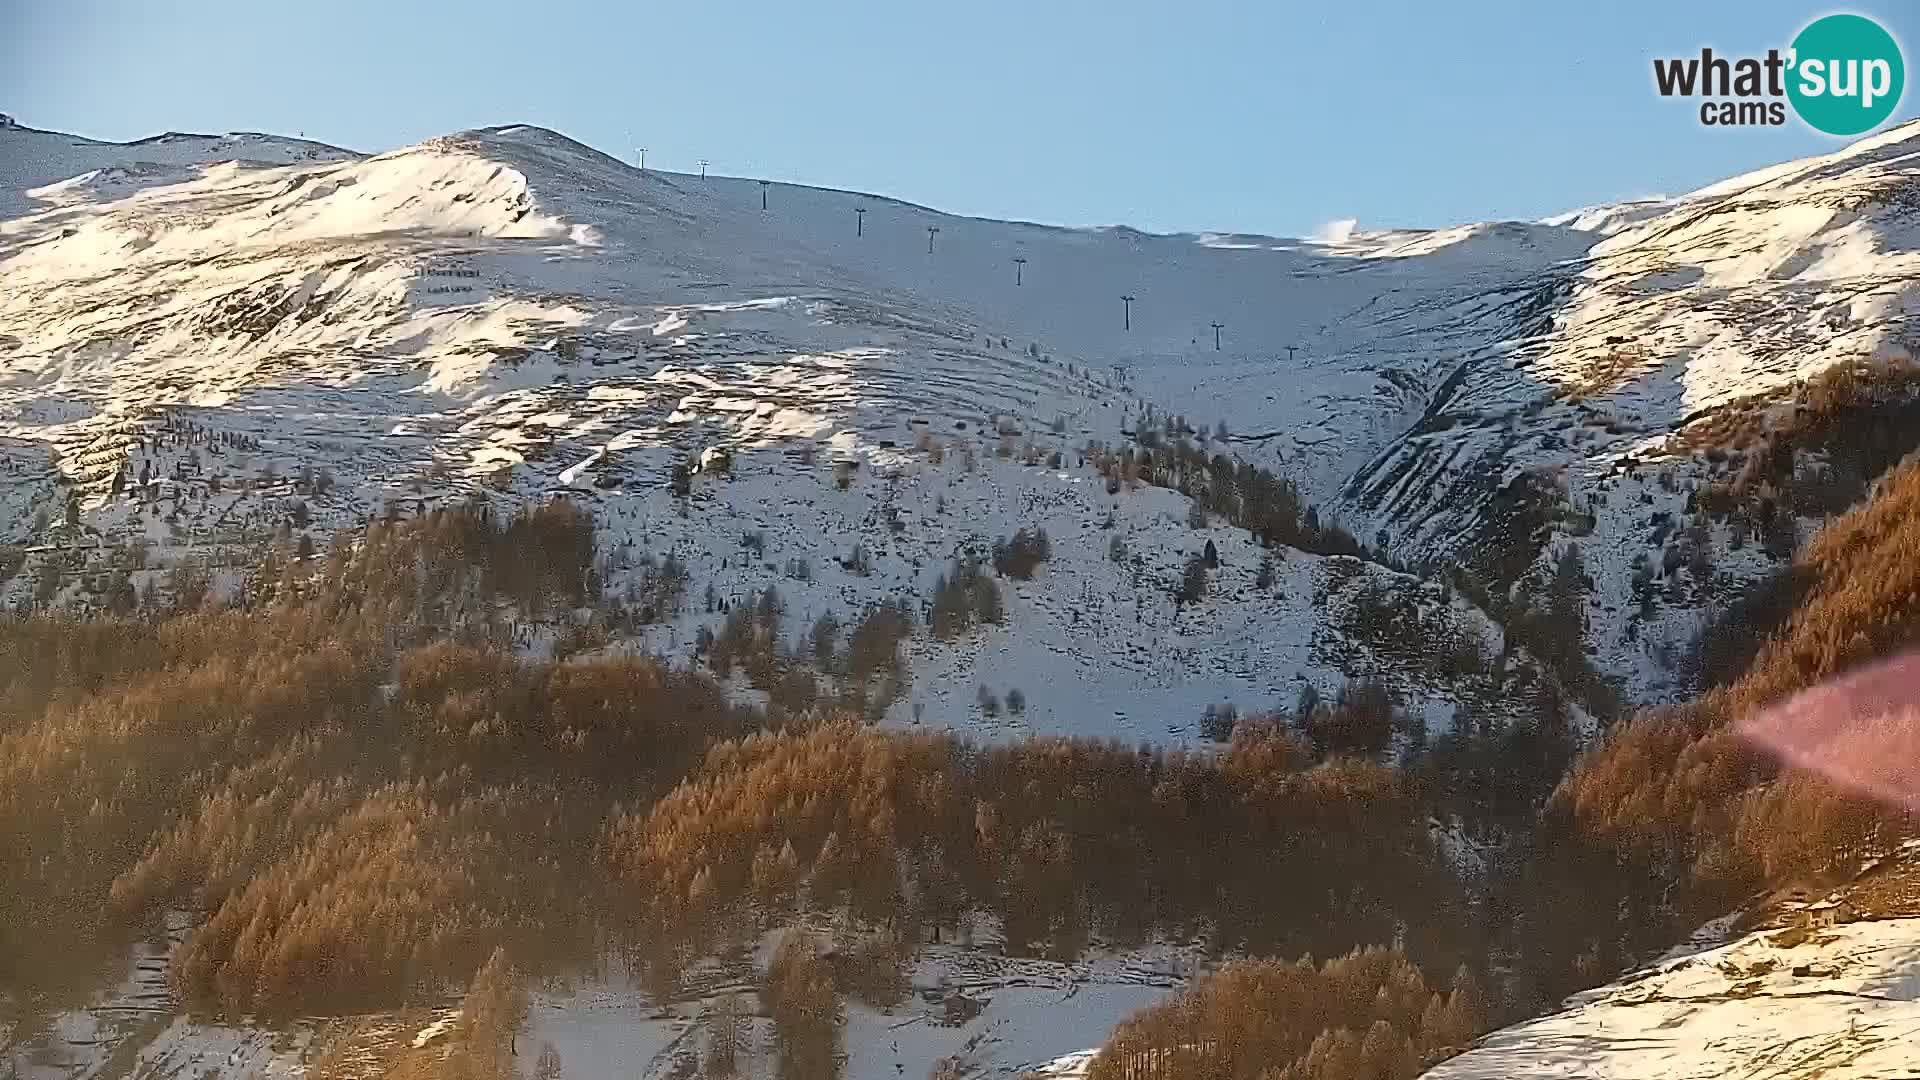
<point x="364" y="794"/>
<point x="1670" y="819"/>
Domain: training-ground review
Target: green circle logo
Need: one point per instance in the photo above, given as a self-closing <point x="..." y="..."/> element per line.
<point x="1847" y="75"/>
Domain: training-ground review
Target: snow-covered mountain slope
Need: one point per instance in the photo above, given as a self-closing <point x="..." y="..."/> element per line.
<point x="1843" y="1004"/>
<point x="1732" y="296"/>
<point x="1609" y="218"/>
<point x="42" y="168"/>
<point x="996" y="1017"/>
<point x="507" y="311"/>
<point x="697" y="252"/>
<point x="1822" y="984"/>
<point x="203" y="353"/>
<point x="1738" y="291"/>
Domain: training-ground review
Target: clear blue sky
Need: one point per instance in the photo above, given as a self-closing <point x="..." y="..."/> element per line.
<point x="1260" y="115"/>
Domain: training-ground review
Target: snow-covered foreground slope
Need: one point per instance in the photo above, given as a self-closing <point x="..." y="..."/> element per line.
<point x="1843" y="1004"/>
<point x="135" y="1029"/>
<point x="994" y="1016"/>
<point x="1807" y="983"/>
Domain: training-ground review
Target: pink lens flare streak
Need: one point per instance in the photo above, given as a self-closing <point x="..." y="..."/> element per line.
<point x="1860" y="730"/>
